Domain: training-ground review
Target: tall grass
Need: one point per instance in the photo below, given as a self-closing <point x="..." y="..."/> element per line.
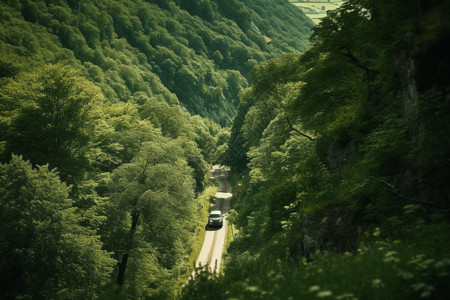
<point x="378" y="269"/>
<point x="204" y="199"/>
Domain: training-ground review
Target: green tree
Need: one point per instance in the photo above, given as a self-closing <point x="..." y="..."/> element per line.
<point x="48" y="113"/>
<point x="45" y="253"/>
<point x="151" y="201"/>
<point x="118" y="134"/>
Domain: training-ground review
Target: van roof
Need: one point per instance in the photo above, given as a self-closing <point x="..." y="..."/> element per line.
<point x="216" y="212"/>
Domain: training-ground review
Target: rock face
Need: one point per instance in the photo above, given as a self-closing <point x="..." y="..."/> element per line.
<point x="422" y="68"/>
<point x="405" y="67"/>
<point x="340" y="154"/>
<point x="335" y="231"/>
<point x="335" y="228"/>
<point x="414" y="184"/>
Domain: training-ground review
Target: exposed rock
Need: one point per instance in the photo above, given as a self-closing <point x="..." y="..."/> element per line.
<point x="334" y="231"/>
<point x="340" y="154"/>
<point x="405" y="67"/>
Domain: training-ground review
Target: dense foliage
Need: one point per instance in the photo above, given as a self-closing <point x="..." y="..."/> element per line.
<point x="109" y="119"/>
<point x="45" y="250"/>
<point x="196" y="53"/>
<point x="342" y="162"/>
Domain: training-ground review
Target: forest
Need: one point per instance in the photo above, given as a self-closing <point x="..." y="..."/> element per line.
<point x="341" y="158"/>
<point x="198" y="55"/>
<point x="111" y="113"/>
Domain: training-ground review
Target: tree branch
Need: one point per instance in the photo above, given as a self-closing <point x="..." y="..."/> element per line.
<point x="355" y="61"/>
<point x="279" y="106"/>
<point x="395" y="192"/>
<point x="296" y="130"/>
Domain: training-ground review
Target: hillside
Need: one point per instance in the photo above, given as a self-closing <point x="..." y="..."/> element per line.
<point x="110" y="114"/>
<point x="196" y="53"/>
<point x="341" y="158"/>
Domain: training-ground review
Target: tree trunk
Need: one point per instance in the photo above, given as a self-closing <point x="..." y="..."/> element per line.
<point x="123" y="263"/>
<point x="122" y="267"/>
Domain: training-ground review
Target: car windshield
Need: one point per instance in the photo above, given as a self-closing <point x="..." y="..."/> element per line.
<point x="214" y="215"/>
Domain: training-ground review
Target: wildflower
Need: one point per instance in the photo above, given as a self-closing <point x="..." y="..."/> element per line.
<point x="396" y="242"/>
<point x="252" y="288"/>
<point x="416" y="259"/>
<point x="376" y="232"/>
<point x="304" y="261"/>
<point x="361" y="250"/>
<point x="390" y="257"/>
<point x="422" y="264"/>
<point x="442" y="267"/>
<point x="419" y="286"/>
<point x="427" y="262"/>
<point x="314" y="288"/>
<point x="405" y="275"/>
<point x="422" y="286"/>
<point x="347" y="254"/>
<point x="347" y="296"/>
<point x="324" y="294"/>
<point x="377" y="283"/>
<point x="425" y="294"/>
<point x="442" y="264"/>
<point x="427" y="291"/>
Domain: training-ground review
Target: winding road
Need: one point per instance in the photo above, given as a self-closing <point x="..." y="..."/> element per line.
<point x="212" y="249"/>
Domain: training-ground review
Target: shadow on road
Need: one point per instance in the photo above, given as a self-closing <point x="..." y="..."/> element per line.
<point x="212" y="228"/>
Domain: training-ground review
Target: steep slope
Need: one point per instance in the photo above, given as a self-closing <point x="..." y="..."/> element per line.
<point x="196" y="53"/>
<point x="343" y="160"/>
<point x="101" y="157"/>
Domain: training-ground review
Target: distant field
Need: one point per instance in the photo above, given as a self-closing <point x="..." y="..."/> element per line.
<point x="318" y="6"/>
<point x="317" y="9"/>
<point x="318" y="1"/>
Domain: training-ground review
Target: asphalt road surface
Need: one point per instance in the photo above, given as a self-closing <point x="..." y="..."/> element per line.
<point x="211" y="253"/>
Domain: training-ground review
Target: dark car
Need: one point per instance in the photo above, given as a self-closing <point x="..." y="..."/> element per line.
<point x="215" y="218"/>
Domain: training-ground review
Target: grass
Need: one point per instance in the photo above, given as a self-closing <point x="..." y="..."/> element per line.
<point x="383" y="270"/>
<point x="379" y="269"/>
<point x="228" y="239"/>
<point x="205" y="200"/>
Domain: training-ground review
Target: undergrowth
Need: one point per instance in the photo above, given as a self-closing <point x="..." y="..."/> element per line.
<point x="381" y="268"/>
